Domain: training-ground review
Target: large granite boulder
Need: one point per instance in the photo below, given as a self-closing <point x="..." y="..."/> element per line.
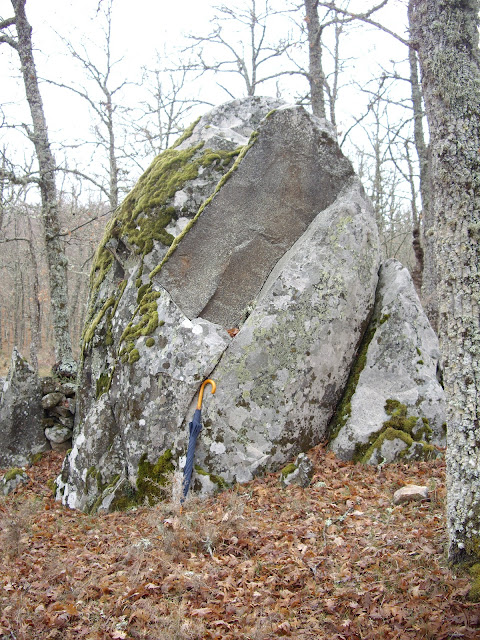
<point x="21" y="428"/>
<point x="394" y="405"/>
<point x="253" y="261"/>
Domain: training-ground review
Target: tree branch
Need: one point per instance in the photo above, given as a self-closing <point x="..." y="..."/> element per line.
<point x="9" y="22"/>
<point x="9" y="40"/>
<point x="365" y="17"/>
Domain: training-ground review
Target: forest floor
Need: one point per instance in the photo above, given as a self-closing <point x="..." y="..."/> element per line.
<point x="336" y="560"/>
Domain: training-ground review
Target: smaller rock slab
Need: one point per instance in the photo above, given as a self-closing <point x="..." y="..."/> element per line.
<point x="394" y="405"/>
<point x="410" y="493"/>
<point x="21" y="429"/>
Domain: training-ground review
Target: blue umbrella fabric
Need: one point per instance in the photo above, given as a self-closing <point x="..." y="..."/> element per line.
<point x="195" y="428"/>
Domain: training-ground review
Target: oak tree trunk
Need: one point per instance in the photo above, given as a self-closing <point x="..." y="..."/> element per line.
<point x="445" y="33"/>
<point x="316" y="76"/>
<point x="57" y="263"/>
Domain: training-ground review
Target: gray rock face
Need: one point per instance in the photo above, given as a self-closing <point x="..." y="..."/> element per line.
<point x="280" y="379"/>
<point x="21" y="430"/>
<point x="300" y="472"/>
<point x="395" y="406"/>
<point x="221" y="265"/>
<point x="286" y="249"/>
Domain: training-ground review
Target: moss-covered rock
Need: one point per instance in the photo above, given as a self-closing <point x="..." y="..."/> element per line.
<point x="394" y="405"/>
<point x="12" y="479"/>
<point x="304" y="238"/>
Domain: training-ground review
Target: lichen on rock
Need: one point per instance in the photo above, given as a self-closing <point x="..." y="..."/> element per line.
<point x="394" y="405"/>
<point x="298" y="284"/>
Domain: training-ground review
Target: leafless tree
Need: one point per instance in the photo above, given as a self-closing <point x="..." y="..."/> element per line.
<point x="102" y="95"/>
<point x="336" y="17"/>
<point x="425" y="270"/>
<point x="167" y="106"/>
<point x="38" y="135"/>
<point x="250" y="54"/>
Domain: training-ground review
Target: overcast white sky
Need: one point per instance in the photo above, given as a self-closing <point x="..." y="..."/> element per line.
<point x="141" y="28"/>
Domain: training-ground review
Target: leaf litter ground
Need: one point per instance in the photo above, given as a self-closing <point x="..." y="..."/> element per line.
<point x="336" y="560"/>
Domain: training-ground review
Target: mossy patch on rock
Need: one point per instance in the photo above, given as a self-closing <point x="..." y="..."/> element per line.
<point x="104" y="383"/>
<point x="218" y="480"/>
<point x="152" y="479"/>
<point x="140" y="220"/>
<point x="344" y="408"/>
<point x="13" y="473"/>
<point x="240" y="154"/>
<point x="399" y="426"/>
<point x="474" y="593"/>
<point x="288" y="469"/>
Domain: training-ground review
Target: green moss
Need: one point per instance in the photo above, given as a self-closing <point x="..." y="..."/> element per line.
<point x="147" y="323"/>
<point x="104" y="383"/>
<point x="133" y="356"/>
<point x="344" y="408"/>
<point x="398" y="426"/>
<point x="149" y="342"/>
<point x="126" y="498"/>
<point x="384" y="318"/>
<point x="13" y="473"/>
<point x="142" y="290"/>
<point x="92" y="471"/>
<point x="240" y="153"/>
<point x="36" y="458"/>
<point x="90" y="330"/>
<point x="52" y="485"/>
<point x="474" y="593"/>
<point x="288" y="469"/>
<point x="218" y="480"/>
<point x="153" y="478"/>
<point x="388" y="434"/>
<point x="186" y="134"/>
<point x="142" y="219"/>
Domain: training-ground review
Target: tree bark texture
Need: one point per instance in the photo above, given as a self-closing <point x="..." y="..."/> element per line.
<point x="57" y="263"/>
<point x="445" y="33"/>
<point x="316" y="76"/>
<point x="422" y="154"/>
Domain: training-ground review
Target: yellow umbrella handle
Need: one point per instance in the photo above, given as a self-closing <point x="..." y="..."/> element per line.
<point x="202" y="387"/>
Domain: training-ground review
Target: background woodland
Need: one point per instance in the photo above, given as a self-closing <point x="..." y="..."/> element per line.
<point x="299" y="51"/>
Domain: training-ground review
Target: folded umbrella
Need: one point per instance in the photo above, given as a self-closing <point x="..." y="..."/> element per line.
<point x="195" y="428"/>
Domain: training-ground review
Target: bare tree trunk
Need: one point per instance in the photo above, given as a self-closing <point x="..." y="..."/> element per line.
<point x="112" y="155"/>
<point x="417" y="270"/>
<point x="35" y="303"/>
<point x="423" y="233"/>
<point x="446" y="37"/>
<point x="316" y="75"/>
<point x="57" y="263"/>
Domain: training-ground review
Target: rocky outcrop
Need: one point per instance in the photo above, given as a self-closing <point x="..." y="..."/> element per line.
<point x="58" y="402"/>
<point x="280" y="379"/>
<point x="21" y="429"/>
<point x="394" y="405"/>
<point x="267" y="286"/>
